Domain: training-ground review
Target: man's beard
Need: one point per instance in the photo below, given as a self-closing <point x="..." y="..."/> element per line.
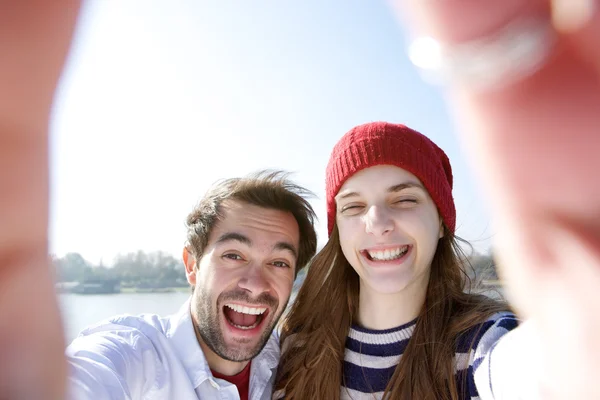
<point x="209" y="327"/>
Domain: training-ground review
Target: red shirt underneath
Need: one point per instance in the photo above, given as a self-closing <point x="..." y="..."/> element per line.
<point x="241" y="380"/>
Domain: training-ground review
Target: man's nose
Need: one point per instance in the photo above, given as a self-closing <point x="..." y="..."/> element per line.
<point x="254" y="280"/>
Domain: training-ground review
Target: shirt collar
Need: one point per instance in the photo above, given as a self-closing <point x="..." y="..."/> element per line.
<point x="183" y="338"/>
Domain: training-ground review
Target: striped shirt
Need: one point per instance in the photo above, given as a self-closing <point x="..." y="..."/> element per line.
<point x="372" y="356"/>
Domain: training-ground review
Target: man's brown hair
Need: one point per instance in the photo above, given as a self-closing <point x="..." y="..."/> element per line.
<point x="268" y="189"/>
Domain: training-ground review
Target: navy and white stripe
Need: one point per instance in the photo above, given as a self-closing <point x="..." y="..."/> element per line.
<point x="372" y="356"/>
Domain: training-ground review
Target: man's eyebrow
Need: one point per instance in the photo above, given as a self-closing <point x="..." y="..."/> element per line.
<point x="391" y="189"/>
<point x="286" y="246"/>
<point x="234" y="236"/>
<point x="238" y="237"/>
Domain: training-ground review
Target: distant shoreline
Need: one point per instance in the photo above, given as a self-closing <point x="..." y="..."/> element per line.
<point x="156" y="290"/>
<point x="135" y="291"/>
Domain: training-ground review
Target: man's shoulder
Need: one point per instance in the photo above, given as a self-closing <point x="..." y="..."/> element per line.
<point x="121" y="333"/>
<point x="121" y="357"/>
<point x="151" y="323"/>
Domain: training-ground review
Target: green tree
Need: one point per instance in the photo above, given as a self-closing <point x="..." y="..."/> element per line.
<point x="72" y="267"/>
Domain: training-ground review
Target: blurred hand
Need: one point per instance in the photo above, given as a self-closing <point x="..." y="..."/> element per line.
<point x="535" y="144"/>
<point x="34" y="39"/>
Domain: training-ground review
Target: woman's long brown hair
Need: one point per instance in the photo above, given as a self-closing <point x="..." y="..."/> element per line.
<point x="315" y="330"/>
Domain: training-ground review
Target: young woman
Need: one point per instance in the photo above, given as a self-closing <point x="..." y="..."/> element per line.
<point x="384" y="311"/>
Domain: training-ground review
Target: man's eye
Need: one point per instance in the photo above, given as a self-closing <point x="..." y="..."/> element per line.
<point x="281" y="264"/>
<point x="232" y="256"/>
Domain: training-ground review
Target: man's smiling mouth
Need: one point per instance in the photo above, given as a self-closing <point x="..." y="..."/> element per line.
<point x="244" y="317"/>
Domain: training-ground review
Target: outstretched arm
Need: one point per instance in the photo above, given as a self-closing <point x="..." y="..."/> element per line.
<point x="536" y="144"/>
<point x="34" y="39"/>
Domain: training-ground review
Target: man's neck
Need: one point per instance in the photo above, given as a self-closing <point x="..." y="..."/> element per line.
<point x="215" y="362"/>
<point x="220" y="365"/>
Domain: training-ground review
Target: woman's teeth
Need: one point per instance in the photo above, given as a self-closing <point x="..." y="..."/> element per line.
<point x="387" y="255"/>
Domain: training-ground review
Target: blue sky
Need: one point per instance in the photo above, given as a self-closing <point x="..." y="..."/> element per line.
<point x="160" y="99"/>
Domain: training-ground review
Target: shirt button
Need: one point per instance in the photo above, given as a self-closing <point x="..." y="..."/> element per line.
<point x="214" y="384"/>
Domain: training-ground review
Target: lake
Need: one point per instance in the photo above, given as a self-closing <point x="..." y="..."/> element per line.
<point x="80" y="311"/>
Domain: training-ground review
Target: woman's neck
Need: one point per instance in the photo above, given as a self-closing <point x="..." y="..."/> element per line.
<point x="379" y="311"/>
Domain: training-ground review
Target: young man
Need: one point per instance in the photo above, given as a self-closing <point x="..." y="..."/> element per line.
<point x="246" y="241"/>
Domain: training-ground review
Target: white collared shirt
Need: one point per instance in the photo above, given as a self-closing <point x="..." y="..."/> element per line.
<point x="149" y="357"/>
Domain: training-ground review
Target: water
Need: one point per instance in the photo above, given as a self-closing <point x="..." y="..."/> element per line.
<point x="80" y="311"/>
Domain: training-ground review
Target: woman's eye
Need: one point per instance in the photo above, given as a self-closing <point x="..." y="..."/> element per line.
<point x="352" y="207"/>
<point x="406" y="201"/>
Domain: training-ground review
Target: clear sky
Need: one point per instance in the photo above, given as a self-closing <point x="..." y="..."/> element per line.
<point x="160" y="99"/>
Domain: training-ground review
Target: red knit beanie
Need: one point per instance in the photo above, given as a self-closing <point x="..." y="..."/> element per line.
<point x="378" y="143"/>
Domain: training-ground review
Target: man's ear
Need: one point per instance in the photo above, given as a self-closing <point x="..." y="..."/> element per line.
<point x="190" y="266"/>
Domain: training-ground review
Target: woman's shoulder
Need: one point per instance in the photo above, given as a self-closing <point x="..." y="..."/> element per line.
<point x="506" y="320"/>
<point x="486" y="332"/>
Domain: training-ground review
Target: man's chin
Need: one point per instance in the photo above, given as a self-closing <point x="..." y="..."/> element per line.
<point x="245" y="345"/>
<point x="239" y="353"/>
<point x="242" y="349"/>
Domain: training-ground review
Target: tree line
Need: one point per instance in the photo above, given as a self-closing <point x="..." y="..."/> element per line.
<point x="159" y="269"/>
<point x="138" y="269"/>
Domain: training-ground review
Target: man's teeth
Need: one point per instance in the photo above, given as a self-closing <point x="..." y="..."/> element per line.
<point x="245" y="327"/>
<point x="386" y="255"/>
<point x="246" y="310"/>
